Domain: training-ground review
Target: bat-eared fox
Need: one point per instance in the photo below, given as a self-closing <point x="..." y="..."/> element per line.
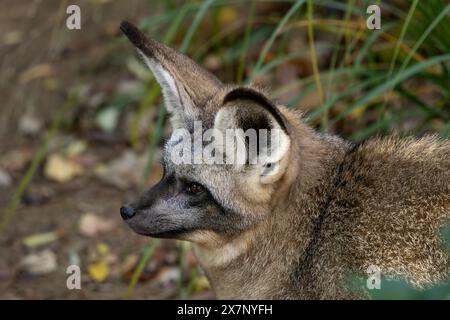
<point x="302" y="212"/>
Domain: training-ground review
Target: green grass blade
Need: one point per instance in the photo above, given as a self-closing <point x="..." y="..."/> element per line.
<point x="402" y="36"/>
<point x="446" y="132"/>
<point x="248" y="29"/>
<point x="411" y="11"/>
<point x="429" y="111"/>
<point x="314" y="63"/>
<point x="292" y="103"/>
<point x="272" y="38"/>
<point x="148" y="100"/>
<point x="195" y="24"/>
<point x="379" y="90"/>
<point x="183" y="249"/>
<point x="426" y="33"/>
<point x="284" y="58"/>
<point x="369" y="43"/>
<point x="385" y="123"/>
<point x="347" y="93"/>
<point x="155" y="136"/>
<point x="148" y="253"/>
<point x="348" y="11"/>
<point x="35" y="163"/>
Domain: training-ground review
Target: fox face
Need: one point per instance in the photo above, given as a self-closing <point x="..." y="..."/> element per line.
<point x="226" y="157"/>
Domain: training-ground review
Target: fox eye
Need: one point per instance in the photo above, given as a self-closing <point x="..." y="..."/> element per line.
<point x="194" y="188"/>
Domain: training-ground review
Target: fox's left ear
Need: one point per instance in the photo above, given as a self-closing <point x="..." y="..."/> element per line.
<point x="246" y="108"/>
<point x="186" y="86"/>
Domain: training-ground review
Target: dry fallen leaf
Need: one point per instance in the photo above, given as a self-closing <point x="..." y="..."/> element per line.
<point x="227" y="15"/>
<point x="123" y="172"/>
<point x="17" y="159"/>
<point x="358" y="112"/>
<point x="168" y="276"/>
<point x="61" y="169"/>
<point x="213" y="62"/>
<point x="99" y="271"/>
<point x="29" y="124"/>
<point x="40" y="239"/>
<point x="40" y="263"/>
<point x="91" y="225"/>
<point x="102" y="248"/>
<point x="52" y="84"/>
<point x="76" y="148"/>
<point x="5" y="179"/>
<point x="201" y="284"/>
<point x="12" y="37"/>
<point x="129" y="264"/>
<point x="100" y="2"/>
<point x="36" y="72"/>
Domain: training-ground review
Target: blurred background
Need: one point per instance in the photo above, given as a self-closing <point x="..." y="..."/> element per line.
<point x="82" y="120"/>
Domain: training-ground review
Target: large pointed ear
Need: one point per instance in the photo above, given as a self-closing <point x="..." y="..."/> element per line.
<point x="254" y="115"/>
<point x="186" y="86"/>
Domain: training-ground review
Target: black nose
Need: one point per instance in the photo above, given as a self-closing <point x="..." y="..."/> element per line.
<point x="127" y="212"/>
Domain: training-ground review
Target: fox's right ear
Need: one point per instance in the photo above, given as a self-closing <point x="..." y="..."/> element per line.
<point x="247" y="108"/>
<point x="185" y="85"/>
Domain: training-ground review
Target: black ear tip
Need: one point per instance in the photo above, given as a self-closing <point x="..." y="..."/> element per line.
<point x="133" y="34"/>
<point x="126" y="26"/>
<point x="129" y="29"/>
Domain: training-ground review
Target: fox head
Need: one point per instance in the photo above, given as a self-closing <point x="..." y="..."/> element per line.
<point x="205" y="201"/>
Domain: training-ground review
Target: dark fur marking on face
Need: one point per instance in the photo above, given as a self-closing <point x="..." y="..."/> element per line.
<point x="205" y="199"/>
<point x="249" y="94"/>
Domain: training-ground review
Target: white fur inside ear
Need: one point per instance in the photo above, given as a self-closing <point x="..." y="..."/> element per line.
<point x="166" y="81"/>
<point x="225" y="119"/>
<point x="178" y="103"/>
